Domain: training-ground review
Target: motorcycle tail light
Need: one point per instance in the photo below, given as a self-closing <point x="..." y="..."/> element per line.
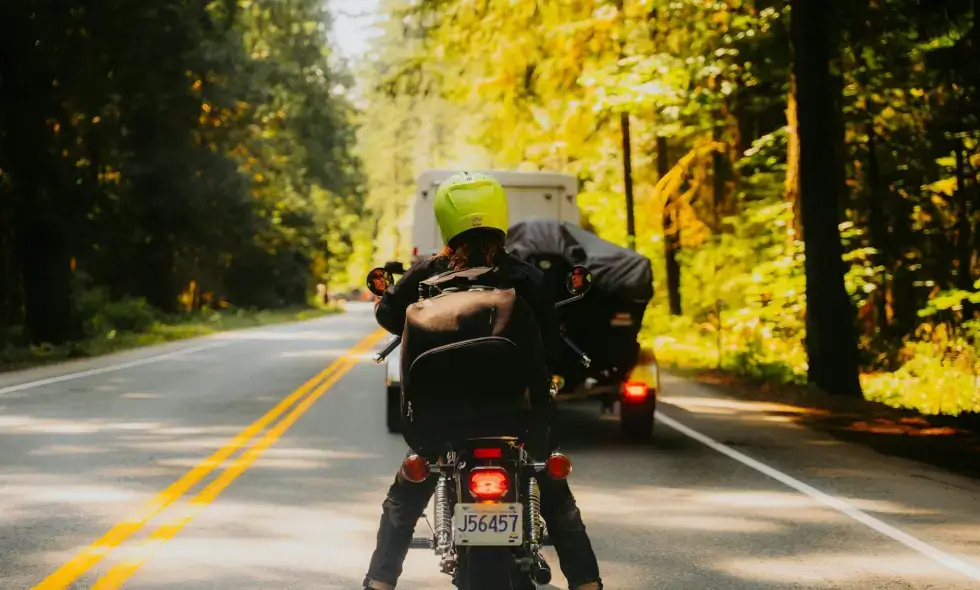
<point x="488" y="453"/>
<point x="635" y="390"/>
<point x="558" y="466"/>
<point x="489" y="483"/>
<point x="415" y="469"/>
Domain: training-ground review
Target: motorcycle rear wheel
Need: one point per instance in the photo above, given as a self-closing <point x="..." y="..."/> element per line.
<point x="485" y="568"/>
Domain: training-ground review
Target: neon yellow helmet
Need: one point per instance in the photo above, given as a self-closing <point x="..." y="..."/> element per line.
<point x="466" y="201"/>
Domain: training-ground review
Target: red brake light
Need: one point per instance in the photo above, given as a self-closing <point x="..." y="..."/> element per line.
<point x="415" y="252"/>
<point x="635" y="390"/>
<point x="558" y="466"/>
<point x="488" y="453"/>
<point x="415" y="469"/>
<point x="488" y="484"/>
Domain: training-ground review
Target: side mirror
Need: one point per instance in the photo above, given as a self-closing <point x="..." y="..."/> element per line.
<point x="579" y="280"/>
<point x="395" y="268"/>
<point x="378" y="281"/>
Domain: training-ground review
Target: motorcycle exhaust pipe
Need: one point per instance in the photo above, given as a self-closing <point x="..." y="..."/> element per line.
<point x="541" y="572"/>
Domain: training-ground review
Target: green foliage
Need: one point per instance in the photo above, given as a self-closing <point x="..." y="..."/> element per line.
<point x="102" y="338"/>
<point x="400" y="136"/>
<point x="941" y="369"/>
<point x="744" y="290"/>
<point x="129" y="315"/>
<point x="542" y="85"/>
<point x="180" y="155"/>
<point x="954" y="300"/>
<point x="940" y="375"/>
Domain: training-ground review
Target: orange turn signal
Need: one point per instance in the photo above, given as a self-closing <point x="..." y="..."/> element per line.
<point x="415" y="469"/>
<point x="558" y="466"/>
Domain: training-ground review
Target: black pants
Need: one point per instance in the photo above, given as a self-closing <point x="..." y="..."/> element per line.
<point x="407" y="501"/>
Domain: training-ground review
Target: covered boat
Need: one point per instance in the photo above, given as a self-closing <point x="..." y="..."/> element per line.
<point x="607" y="321"/>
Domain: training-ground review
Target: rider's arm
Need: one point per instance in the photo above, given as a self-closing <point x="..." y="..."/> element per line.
<point x="390" y="311"/>
<point x="547" y="318"/>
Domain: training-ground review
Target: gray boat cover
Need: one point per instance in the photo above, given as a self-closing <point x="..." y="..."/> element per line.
<point x="617" y="272"/>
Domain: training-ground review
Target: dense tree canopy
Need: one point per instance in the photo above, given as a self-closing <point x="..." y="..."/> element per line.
<point x="834" y="159"/>
<point x="805" y="173"/>
<point x="179" y="152"/>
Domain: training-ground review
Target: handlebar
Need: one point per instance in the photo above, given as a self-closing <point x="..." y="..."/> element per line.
<point x="565" y="302"/>
<point x="394" y="342"/>
<point x="582" y="357"/>
<point x="391" y="346"/>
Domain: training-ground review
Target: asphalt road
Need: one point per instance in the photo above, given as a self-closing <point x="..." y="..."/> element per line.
<point x="106" y="481"/>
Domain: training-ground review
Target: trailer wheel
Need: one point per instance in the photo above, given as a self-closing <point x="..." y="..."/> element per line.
<point x="636" y="420"/>
<point x="394" y="408"/>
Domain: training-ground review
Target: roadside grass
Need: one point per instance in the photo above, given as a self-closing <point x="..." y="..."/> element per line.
<point x="930" y="381"/>
<point x="157" y="331"/>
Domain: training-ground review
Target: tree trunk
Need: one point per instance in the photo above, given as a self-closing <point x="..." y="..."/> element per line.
<point x="672" y="235"/>
<point x="795" y="230"/>
<point x="46" y="275"/>
<point x="37" y="197"/>
<point x="721" y="172"/>
<point x="964" y="227"/>
<point x="157" y="257"/>
<point x="628" y="179"/>
<point x="964" y="231"/>
<point x="11" y="300"/>
<point x="830" y="339"/>
<point x="878" y="225"/>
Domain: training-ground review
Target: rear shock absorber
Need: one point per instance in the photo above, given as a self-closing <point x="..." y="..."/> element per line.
<point x="533" y="513"/>
<point x="443" y="517"/>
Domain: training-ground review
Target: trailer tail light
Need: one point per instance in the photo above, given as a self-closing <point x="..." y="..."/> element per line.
<point x="622" y="319"/>
<point x="635" y="390"/>
<point x="489" y="483"/>
<point x="415" y="469"/>
<point x="558" y="466"/>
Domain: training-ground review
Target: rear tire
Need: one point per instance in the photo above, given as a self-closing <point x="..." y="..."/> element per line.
<point x="485" y="568"/>
<point x="394" y="409"/>
<point x="636" y="420"/>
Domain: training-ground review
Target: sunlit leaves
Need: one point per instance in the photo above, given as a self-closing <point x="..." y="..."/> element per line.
<point x="543" y="84"/>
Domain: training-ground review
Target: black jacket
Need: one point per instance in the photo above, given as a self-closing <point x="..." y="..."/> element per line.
<point x="524" y="278"/>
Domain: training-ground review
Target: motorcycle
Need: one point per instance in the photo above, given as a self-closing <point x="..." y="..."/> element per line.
<point x="488" y="530"/>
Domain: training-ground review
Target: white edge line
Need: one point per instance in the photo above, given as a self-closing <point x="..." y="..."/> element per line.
<point x="969" y="570"/>
<point x="110" y="368"/>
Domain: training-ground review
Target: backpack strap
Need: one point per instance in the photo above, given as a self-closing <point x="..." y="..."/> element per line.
<point x="468" y="274"/>
<point x="459" y="280"/>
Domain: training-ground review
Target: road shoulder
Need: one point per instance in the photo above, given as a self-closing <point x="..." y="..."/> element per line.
<point x="179" y="329"/>
<point x="17" y="378"/>
<point x="946" y="442"/>
<point x="807" y="443"/>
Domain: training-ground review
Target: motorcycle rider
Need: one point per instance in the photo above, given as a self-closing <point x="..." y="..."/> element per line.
<point x="471" y="210"/>
<point x="578" y="278"/>
<point x="377" y="278"/>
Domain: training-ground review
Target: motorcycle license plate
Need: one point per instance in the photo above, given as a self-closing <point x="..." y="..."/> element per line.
<point x="488" y="524"/>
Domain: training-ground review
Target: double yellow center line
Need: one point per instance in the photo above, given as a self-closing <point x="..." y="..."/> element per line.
<point x="303" y="398"/>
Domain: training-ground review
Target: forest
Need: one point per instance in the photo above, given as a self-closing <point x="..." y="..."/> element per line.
<point x="804" y="174"/>
<point x="171" y="157"/>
